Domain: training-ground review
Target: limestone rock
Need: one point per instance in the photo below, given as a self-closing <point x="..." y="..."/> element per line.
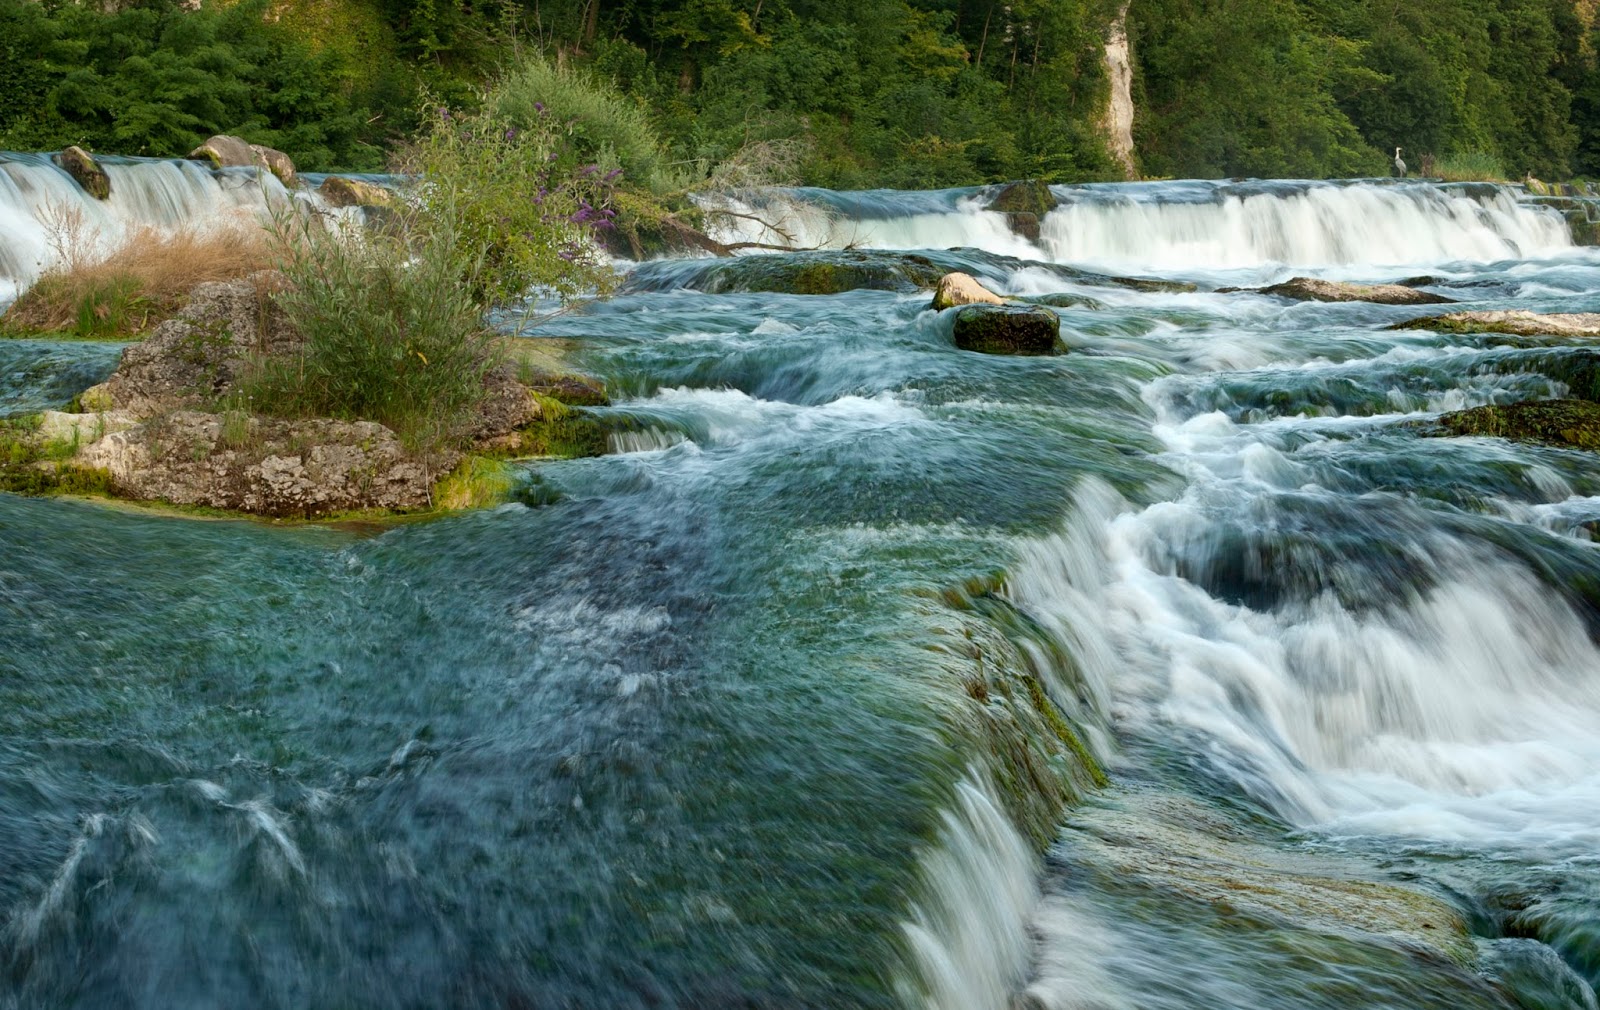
<point x="82" y="429"/>
<point x="1518" y="323"/>
<point x="196" y="356"/>
<point x="1311" y="289"/>
<point x="341" y="192"/>
<point x="278" y="163"/>
<point x="264" y="466"/>
<point x="79" y="164"/>
<point x="1008" y="329"/>
<point x="225" y="151"/>
<point x="962" y="289"/>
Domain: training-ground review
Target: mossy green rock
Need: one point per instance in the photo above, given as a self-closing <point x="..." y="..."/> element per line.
<point x="1030" y="197"/>
<point x="78" y="163"/>
<point x="1009" y="329"/>
<point x="820" y="273"/>
<point x="1553" y="422"/>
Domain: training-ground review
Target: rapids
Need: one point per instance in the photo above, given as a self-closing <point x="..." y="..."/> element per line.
<point x="720" y="720"/>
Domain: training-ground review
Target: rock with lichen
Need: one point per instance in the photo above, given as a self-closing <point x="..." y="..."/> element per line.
<point x="1571" y="423"/>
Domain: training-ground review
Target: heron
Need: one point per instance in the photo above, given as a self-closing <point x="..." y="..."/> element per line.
<point x="1399" y="166"/>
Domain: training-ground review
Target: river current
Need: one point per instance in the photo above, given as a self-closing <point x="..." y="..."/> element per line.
<point x="704" y="723"/>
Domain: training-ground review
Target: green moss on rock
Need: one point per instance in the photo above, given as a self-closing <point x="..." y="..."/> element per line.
<point x="1008" y="329"/>
<point x="1573" y="423"/>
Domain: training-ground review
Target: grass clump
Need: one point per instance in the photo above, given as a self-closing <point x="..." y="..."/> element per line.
<point x="29" y="466"/>
<point x="98" y="293"/>
<point x="1469" y="166"/>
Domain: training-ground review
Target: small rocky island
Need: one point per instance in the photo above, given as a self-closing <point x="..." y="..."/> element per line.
<point x="170" y="425"/>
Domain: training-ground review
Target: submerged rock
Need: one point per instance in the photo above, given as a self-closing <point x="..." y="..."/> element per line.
<point x="1152" y="285"/>
<point x="79" y="164"/>
<point x="1517" y="323"/>
<point x="1009" y="329"/>
<point x="817" y="273"/>
<point x="962" y="289"/>
<point x="1574" y="423"/>
<point x="341" y="192"/>
<point x="1311" y="289"/>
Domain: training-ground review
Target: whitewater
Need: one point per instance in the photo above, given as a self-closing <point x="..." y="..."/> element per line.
<point x="751" y="711"/>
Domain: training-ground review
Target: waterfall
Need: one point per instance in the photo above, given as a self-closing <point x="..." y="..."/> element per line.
<point x="1166" y="226"/>
<point x="41" y="206"/>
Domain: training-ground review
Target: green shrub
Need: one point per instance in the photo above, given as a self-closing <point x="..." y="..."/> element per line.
<point x="391" y="334"/>
<point x="520" y="213"/>
<point x="597" y="125"/>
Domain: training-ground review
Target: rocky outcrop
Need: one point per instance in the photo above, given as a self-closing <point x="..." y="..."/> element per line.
<point x="962" y="289"/>
<point x="1024" y="204"/>
<point x="226" y="151"/>
<point x="1008" y="329"/>
<point x="305" y="469"/>
<point x="278" y="163"/>
<point x="1311" y="289"/>
<point x="196" y="356"/>
<point x="79" y="164"/>
<point x="341" y="192"/>
<point x="1117" y="122"/>
<point x="1568" y="423"/>
<point x="1517" y="323"/>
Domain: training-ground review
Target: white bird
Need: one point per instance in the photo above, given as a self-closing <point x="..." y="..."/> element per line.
<point x="1399" y="166"/>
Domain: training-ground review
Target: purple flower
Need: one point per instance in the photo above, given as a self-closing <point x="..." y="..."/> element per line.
<point x="511" y="134"/>
<point x="538" y="107"/>
<point x="444" y="113"/>
<point x="553" y="156"/>
<point x="613" y="174"/>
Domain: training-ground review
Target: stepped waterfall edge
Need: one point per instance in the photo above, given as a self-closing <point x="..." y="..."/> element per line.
<point x="1180" y="672"/>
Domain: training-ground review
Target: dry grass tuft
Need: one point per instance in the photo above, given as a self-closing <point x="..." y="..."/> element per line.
<point x="140" y="282"/>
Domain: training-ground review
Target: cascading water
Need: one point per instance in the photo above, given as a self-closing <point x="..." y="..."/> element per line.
<point x="751" y="712"/>
<point x="1173" y="227"/>
<point x="42" y="208"/>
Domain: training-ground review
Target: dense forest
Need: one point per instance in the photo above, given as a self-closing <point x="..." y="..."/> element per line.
<point x="905" y="93"/>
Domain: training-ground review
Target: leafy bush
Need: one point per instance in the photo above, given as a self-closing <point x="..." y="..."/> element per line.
<point x="521" y="212"/>
<point x="595" y="123"/>
<point x="391" y="334"/>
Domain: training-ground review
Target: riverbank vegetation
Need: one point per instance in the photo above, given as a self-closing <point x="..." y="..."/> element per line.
<point x="906" y="93"/>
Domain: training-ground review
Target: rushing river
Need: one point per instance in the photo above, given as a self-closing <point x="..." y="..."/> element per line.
<point x="704" y="723"/>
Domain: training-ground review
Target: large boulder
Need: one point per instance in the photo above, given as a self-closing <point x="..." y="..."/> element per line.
<point x="1024" y="204"/>
<point x="226" y="151"/>
<point x="278" y="163"/>
<point x="1008" y="329"/>
<point x="962" y="289"/>
<point x="1311" y="289"/>
<point x="195" y="357"/>
<point x="78" y="163"/>
<point x="1568" y="423"/>
<point x="339" y="191"/>
<point x="1517" y="323"/>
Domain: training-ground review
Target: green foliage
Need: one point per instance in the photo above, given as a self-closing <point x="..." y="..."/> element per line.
<point x="513" y="201"/>
<point x="873" y="92"/>
<point x="1469" y="166"/>
<point x="391" y="333"/>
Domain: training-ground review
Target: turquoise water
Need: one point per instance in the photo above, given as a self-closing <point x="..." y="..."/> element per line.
<point x="732" y="717"/>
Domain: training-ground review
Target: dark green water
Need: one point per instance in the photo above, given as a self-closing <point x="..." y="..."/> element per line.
<point x="706" y="727"/>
